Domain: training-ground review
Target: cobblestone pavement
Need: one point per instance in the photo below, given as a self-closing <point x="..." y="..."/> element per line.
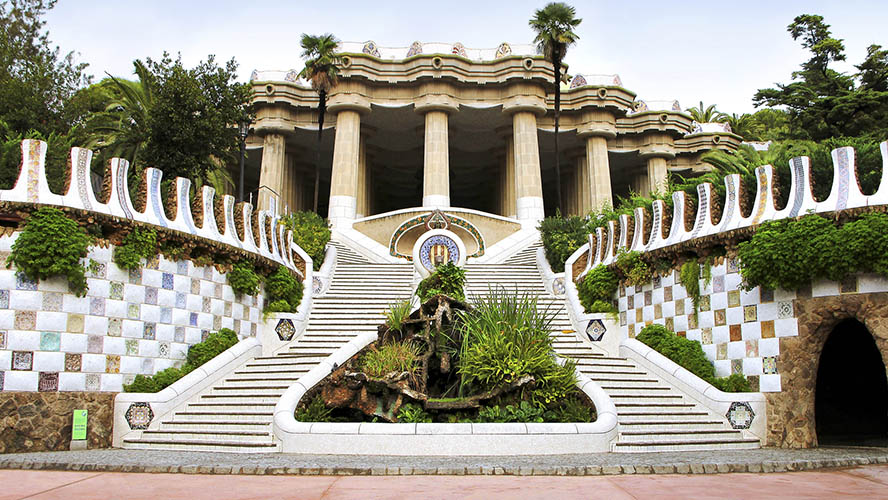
<point x="856" y="482"/>
<point x="761" y="460"/>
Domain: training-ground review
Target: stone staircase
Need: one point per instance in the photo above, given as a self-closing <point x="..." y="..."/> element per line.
<point x="652" y="415"/>
<point x="235" y="415"/>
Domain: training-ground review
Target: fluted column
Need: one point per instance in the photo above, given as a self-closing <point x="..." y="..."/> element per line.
<point x="344" y="176"/>
<point x="271" y="175"/>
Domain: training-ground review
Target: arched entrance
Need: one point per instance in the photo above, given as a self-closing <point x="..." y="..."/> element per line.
<point x="851" y="396"/>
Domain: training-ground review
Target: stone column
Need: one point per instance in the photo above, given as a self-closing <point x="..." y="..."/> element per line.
<point x="271" y="175"/>
<point x="361" y="192"/>
<point x="656" y="149"/>
<point x="528" y="179"/>
<point x="656" y="170"/>
<point x="436" y="157"/>
<point x="598" y="174"/>
<point x="344" y="177"/>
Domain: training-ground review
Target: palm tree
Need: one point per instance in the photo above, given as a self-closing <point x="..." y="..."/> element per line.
<point x="321" y="70"/>
<point x="554" y="25"/>
<point x="706" y="114"/>
<point x="122" y="129"/>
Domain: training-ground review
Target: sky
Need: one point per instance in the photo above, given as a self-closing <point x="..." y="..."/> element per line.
<point x="716" y="52"/>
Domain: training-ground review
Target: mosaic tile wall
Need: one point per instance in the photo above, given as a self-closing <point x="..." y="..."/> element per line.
<point x="739" y="330"/>
<point x="130" y="322"/>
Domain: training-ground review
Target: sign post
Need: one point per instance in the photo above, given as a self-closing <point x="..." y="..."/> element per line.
<point x="78" y="430"/>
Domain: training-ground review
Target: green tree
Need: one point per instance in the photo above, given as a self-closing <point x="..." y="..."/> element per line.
<point x="36" y="81"/>
<point x="321" y="70"/>
<point x="554" y="25"/>
<point x="823" y="102"/>
<point x="192" y="115"/>
<point x="706" y="114"/>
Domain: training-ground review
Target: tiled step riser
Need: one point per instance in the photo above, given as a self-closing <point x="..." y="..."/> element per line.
<point x="231" y="407"/>
<point x="689" y="437"/>
<point x="642" y="390"/>
<point x="269" y="382"/>
<point x="193" y="436"/>
<point x="641" y="400"/>
<point x="654" y="416"/>
<point x="233" y="400"/>
<point x="690" y="425"/>
<point x="599" y="375"/>
<point x="254" y="390"/>
<point x="214" y="426"/>
<point x="652" y="448"/>
<point x="206" y="447"/>
<point x="228" y="417"/>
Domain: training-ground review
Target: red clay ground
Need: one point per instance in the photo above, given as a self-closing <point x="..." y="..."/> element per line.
<point x="859" y="482"/>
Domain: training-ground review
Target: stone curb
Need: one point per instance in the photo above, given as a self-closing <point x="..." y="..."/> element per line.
<point x="686" y="468"/>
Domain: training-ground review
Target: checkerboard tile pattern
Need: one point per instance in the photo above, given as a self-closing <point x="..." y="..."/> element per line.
<point x="739" y="330"/>
<point x="130" y="322"/>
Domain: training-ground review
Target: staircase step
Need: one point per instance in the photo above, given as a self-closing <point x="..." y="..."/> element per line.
<point x="682" y="445"/>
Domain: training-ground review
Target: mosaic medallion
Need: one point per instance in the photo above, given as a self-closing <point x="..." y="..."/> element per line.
<point x="578" y="81"/>
<point x="740" y="415"/>
<point x="316" y="285"/>
<point x="437" y="250"/>
<point x="415" y="49"/>
<point x="22" y="360"/>
<point x="285" y="329"/>
<point x="139" y="416"/>
<point x="503" y="50"/>
<point x="370" y="48"/>
<point x="595" y="330"/>
<point x="558" y="286"/>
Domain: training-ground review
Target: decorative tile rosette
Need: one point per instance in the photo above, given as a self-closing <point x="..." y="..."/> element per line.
<point x="437" y="247"/>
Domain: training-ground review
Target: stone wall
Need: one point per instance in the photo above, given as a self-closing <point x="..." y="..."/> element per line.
<point x="791" y="419"/>
<point x="41" y="421"/>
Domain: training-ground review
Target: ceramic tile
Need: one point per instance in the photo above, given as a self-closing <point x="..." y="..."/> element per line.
<point x="227" y="310"/>
<point x="647" y="298"/>
<point x="50" y="341"/>
<point x="217" y="291"/>
<point x="180" y="300"/>
<point x="217" y="322"/>
<point x="4" y="299"/>
<point x="75" y="323"/>
<point x="630" y="302"/>
<point x="48" y="382"/>
<point x="766" y="295"/>
<point x="680" y="307"/>
<point x="718" y="284"/>
<point x="179" y="334"/>
<point x="22" y="360"/>
<point x="204" y="334"/>
<point x="658" y="311"/>
<point x="205" y="304"/>
<point x="116" y="292"/>
<point x="73" y="362"/>
<point x="667" y="294"/>
<point x="785" y="310"/>
<point x="132" y="347"/>
<point x="96" y="269"/>
<point x="848" y="285"/>
<point x="737" y="366"/>
<point x="658" y="282"/>
<point x="670" y="324"/>
<point x="720" y="317"/>
<point x="639" y="315"/>
<point x="252" y="329"/>
<point x="195" y="286"/>
<point x="25" y="320"/>
<point x="52" y="301"/>
<point x="682" y="333"/>
<point x="767" y="329"/>
<point x="97" y="306"/>
<point x="192" y="319"/>
<point x="736" y="333"/>
<point x="22" y="282"/>
<point x="135" y="276"/>
<point x="2" y="378"/>
<point x="167" y="281"/>
<point x="704" y="303"/>
<point x="752" y="348"/>
<point x="153" y="262"/>
<point x="95" y="344"/>
<point x="733" y="265"/>
<point x="150" y="295"/>
<point x="149" y="331"/>
<point x="734" y="298"/>
<point x="769" y="365"/>
<point x="132" y="311"/>
<point x="93" y="381"/>
<point x="3" y="336"/>
<point x="706" y="336"/>
<point x="114" y="327"/>
<point x="693" y="321"/>
<point x="112" y="363"/>
<point x="166" y="315"/>
<point x="182" y="267"/>
<point x="208" y="272"/>
<point x="749" y="313"/>
<point x="163" y="349"/>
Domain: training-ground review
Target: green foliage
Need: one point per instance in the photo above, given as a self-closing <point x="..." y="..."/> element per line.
<point x="634" y="269"/>
<point x="397" y="314"/>
<point x="243" y="278"/>
<point x="522" y="412"/>
<point x="396" y="357"/>
<point x="311" y="232"/>
<point x="412" y="413"/>
<point x="790" y="253"/>
<point x="283" y="291"/>
<point x="571" y="410"/>
<point x="597" y="286"/>
<point x="51" y="244"/>
<point x="315" y="411"/>
<point x="689" y="355"/>
<point x="602" y="306"/>
<point x="561" y="237"/>
<point x="506" y="337"/>
<point x="690" y="279"/>
<point x="448" y="279"/>
<point x="216" y="343"/>
<point x="735" y="382"/>
<point x="36" y="80"/>
<point x="140" y="243"/>
<point x="58" y="147"/>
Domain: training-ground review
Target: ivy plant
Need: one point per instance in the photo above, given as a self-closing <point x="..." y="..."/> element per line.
<point x="51" y="244"/>
<point x="283" y="291"/>
<point x="138" y="244"/>
<point x="690" y="275"/>
<point x="243" y="278"/>
<point x="633" y="268"/>
<point x="311" y="233"/>
<point x="597" y="288"/>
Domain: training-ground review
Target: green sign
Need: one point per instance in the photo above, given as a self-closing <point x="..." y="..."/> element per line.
<point x="78" y="432"/>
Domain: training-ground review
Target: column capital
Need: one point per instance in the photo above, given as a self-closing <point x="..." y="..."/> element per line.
<point x="348" y="102"/>
<point x="533" y="104"/>
<point x="435" y="102"/>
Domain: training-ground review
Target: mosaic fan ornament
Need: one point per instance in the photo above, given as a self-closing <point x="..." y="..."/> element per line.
<point x="503" y="50"/>
<point x="438" y="245"/>
<point x="316" y="285"/>
<point x="458" y="49"/>
<point x="558" y="286"/>
<point x="370" y="48"/>
<point x="415" y="49"/>
<point x="578" y="81"/>
<point x="139" y="416"/>
<point x="740" y="415"/>
<point x="285" y="329"/>
<point x="595" y="330"/>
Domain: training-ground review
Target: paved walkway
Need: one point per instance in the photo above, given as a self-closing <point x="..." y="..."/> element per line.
<point x="702" y="462"/>
<point x="857" y="482"/>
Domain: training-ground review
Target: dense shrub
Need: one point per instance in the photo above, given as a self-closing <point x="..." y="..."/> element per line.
<point x="283" y="291"/>
<point x="448" y="279"/>
<point x="315" y="411"/>
<point x="561" y="237"/>
<point x="506" y="337"/>
<point x="243" y="278"/>
<point x="140" y="243"/>
<point x="789" y="253"/>
<point x="311" y="233"/>
<point x="689" y="355"/>
<point x="51" y="244"/>
<point x="412" y="413"/>
<point x="198" y="354"/>
<point x="634" y="269"/>
<point x="397" y="357"/>
<point x="597" y="288"/>
<point x="690" y="275"/>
